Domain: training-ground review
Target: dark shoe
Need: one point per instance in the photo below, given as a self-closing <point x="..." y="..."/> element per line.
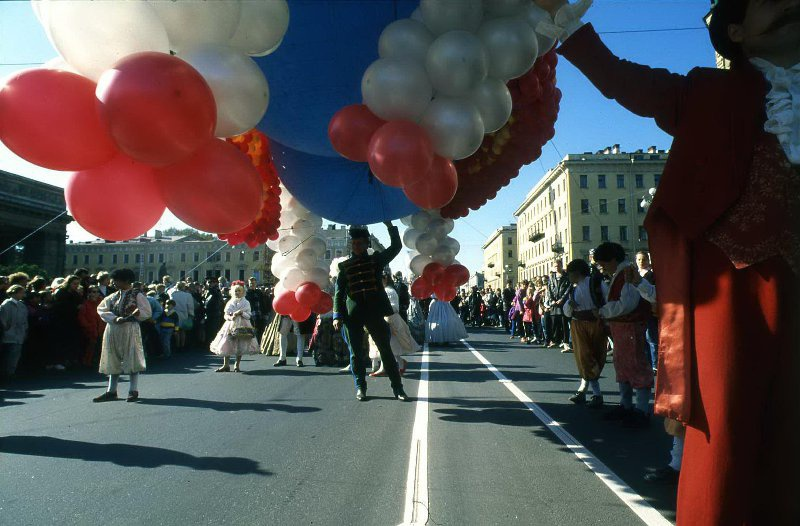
<point x="596" y="402"/>
<point x="578" y="398"/>
<point x="616" y="414"/>
<point x="361" y="395"/>
<point x="300" y="363"/>
<point x="636" y="420"/>
<point x="399" y="394"/>
<point x="108" y="396"/>
<point x="132" y="396"/>
<point x="665" y="475"/>
<point x="279" y="363"/>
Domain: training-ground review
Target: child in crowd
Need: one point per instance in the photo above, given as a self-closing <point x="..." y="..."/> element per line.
<point x="237" y="336"/>
<point x="167" y="326"/>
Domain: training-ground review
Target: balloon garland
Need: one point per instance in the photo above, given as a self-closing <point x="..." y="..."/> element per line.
<point x="298" y="262"/>
<point x="519" y="142"/>
<point x="255" y="145"/>
<point x="433" y="256"/>
<point x="122" y="102"/>
<point x="438" y="87"/>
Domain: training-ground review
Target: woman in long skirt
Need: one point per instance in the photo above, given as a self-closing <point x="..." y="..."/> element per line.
<point x="401" y="341"/>
<point x="443" y="325"/>
<point x="237" y="336"/>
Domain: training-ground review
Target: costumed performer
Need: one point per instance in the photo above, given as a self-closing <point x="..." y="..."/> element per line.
<point x="402" y="342"/>
<point x="724" y="224"/>
<point x="237" y="335"/>
<point x="443" y="325"/>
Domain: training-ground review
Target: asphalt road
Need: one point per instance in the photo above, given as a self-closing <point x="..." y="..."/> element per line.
<point x="292" y="446"/>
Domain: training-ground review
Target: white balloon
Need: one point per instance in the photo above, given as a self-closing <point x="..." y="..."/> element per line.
<point x="419" y="263"/>
<point x="280" y="264"/>
<point x="416" y="14"/>
<point x="92" y="36"/>
<point x="533" y="14"/>
<point x="438" y="228"/>
<point x="456" y="63"/>
<point x="494" y="103"/>
<point x="292" y="278"/>
<point x="405" y="39"/>
<point x="287" y="244"/>
<point x="449" y="225"/>
<point x="303" y="229"/>
<point x="497" y="8"/>
<point x="317" y="245"/>
<point x="306" y="259"/>
<point x="426" y="244"/>
<point x="442" y="16"/>
<point x="272" y="244"/>
<point x="420" y="220"/>
<point x="410" y="237"/>
<point x="396" y="89"/>
<point x="452" y="244"/>
<point x="317" y="275"/>
<point x="444" y="256"/>
<point x="59" y="64"/>
<point x="239" y="87"/>
<point x="262" y="25"/>
<point x="511" y="45"/>
<point x="454" y="126"/>
<point x="406" y="220"/>
<point x="190" y="23"/>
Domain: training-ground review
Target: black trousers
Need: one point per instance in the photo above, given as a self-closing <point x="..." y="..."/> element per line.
<point x="560" y="329"/>
<point x="353" y="333"/>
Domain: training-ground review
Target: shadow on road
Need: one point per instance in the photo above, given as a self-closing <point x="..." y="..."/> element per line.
<point x="228" y="406"/>
<point x="126" y="455"/>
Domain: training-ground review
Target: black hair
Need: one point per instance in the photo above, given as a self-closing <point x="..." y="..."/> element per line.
<point x="724" y="13"/>
<point x="580" y="266"/>
<point x="608" y="251"/>
<point x="124" y="274"/>
<point x="359" y="232"/>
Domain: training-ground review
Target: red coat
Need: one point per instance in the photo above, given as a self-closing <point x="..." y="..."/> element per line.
<point x="92" y="326"/>
<point x="729" y="344"/>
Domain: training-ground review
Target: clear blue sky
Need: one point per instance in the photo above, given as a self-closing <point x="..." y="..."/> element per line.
<point x="587" y="121"/>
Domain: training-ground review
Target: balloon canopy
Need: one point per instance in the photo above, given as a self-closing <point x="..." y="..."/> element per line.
<point x="337" y="189"/>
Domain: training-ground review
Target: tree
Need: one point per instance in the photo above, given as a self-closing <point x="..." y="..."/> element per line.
<point x="28" y="268"/>
<point x="172" y="231"/>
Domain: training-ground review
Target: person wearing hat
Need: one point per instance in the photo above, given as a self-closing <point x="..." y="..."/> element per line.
<point x="213" y="305"/>
<point x="360" y="302"/>
<point x="724" y="231"/>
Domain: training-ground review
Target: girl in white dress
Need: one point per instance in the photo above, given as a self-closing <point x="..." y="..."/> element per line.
<point x="237" y="336"/>
<point x="443" y="324"/>
<point x="402" y="342"/>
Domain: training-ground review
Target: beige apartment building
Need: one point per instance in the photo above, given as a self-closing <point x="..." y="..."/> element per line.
<point x="500" y="261"/>
<point x="585" y="200"/>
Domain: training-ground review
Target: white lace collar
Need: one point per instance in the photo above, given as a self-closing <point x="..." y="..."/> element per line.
<point x="783" y="105"/>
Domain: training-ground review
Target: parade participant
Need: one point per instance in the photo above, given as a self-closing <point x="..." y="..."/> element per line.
<point x="403" y="294"/>
<point x="724" y="225"/>
<point x="213" y="304"/>
<point x="14" y="325"/>
<point x="588" y="336"/>
<point x="360" y="302"/>
<point x="557" y="290"/>
<point x="236" y="337"/>
<point x="401" y="341"/>
<point x="443" y="325"/>
<point x="122" y="351"/>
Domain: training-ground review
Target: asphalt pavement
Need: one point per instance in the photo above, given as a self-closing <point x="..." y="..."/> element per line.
<point x="292" y="446"/>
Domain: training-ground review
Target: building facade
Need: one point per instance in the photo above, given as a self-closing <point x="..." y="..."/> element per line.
<point x="500" y="257"/>
<point x="26" y="205"/>
<point x="585" y="200"/>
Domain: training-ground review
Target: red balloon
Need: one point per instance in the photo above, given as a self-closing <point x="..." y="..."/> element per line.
<point x="285" y="303"/>
<point x="437" y="188"/>
<point x="324" y="305"/>
<point x="158" y="108"/>
<point x="308" y="294"/>
<point x="459" y="274"/>
<point x="421" y="288"/>
<point x="445" y="291"/>
<point x="400" y="153"/>
<point x="433" y="272"/>
<point x="215" y="190"/>
<point x="351" y="129"/>
<point x="49" y="118"/>
<point x="87" y="195"/>
<point x="301" y="313"/>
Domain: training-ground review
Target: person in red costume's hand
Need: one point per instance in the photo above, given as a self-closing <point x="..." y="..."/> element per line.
<point x="725" y="234"/>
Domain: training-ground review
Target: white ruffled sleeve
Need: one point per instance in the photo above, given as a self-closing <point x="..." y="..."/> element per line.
<point x="566" y="22"/>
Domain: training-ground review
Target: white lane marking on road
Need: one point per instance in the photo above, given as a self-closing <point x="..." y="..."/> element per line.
<point x="625" y="493"/>
<point x="416" y="502"/>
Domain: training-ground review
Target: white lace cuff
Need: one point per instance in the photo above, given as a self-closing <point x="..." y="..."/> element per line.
<point x="566" y="22"/>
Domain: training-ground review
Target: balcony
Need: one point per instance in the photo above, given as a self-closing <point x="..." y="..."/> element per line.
<point x="536" y="236"/>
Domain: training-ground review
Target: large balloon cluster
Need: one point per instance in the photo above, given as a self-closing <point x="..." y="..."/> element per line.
<point x="255" y="145"/>
<point x="298" y="262"/>
<point x="134" y="106"/>
<point x="433" y="256"/>
<point x="519" y="142"/>
<point x="438" y="87"/>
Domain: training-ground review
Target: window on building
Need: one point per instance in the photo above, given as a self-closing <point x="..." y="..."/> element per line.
<point x="196" y="257"/>
<point x="113" y="259"/>
<point x="620" y="181"/>
<point x="183" y="257"/>
<point x="587" y="233"/>
<point x="75" y="259"/>
<point x="603" y="233"/>
<point x="227" y="257"/>
<point x="622" y="208"/>
<point x="241" y="274"/>
<point x="86" y="259"/>
<point x="138" y="258"/>
<point x="601" y="181"/>
<point x="241" y="255"/>
<point x="642" y="234"/>
<point x="196" y="275"/>
<point x="604" y="206"/>
<point x="327" y="254"/>
<point x="125" y="259"/>
<point x="509" y="241"/>
<point x="639" y="208"/>
<point x="100" y="259"/>
<point x="511" y="253"/>
<point x="639" y="181"/>
<point x="584" y="179"/>
<point x="151" y="258"/>
<point x="228" y="274"/>
<point x="338" y="253"/>
<point x="623" y="233"/>
<point x="656" y="179"/>
<point x="255" y="255"/>
<point x="584" y="206"/>
<point x="182" y="275"/>
<point x="161" y="258"/>
<point x="150" y="277"/>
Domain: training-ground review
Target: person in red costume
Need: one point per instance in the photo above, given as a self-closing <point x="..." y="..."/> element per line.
<point x="725" y="234"/>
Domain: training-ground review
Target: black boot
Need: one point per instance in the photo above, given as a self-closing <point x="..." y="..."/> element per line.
<point x="108" y="396"/>
<point x="399" y="394"/>
<point x="361" y="395"/>
<point x="578" y="398"/>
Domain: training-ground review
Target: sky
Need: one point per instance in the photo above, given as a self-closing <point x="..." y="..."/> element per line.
<point x="587" y="121"/>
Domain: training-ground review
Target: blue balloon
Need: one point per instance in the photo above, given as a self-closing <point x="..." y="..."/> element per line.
<point x="317" y="69"/>
<point x="339" y="190"/>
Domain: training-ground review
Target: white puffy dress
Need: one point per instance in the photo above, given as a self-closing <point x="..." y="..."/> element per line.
<point x="443" y="324"/>
<point x="224" y="343"/>
<point x="402" y="342"/>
